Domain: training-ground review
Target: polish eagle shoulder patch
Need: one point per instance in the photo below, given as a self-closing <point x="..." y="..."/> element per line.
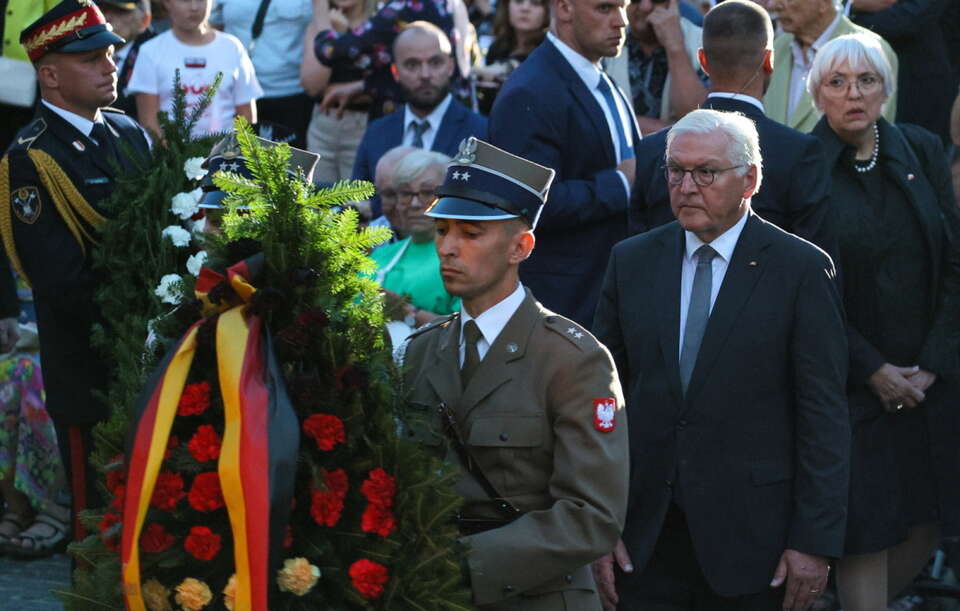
<point x="605" y="414"/>
<point x="26" y="204"/>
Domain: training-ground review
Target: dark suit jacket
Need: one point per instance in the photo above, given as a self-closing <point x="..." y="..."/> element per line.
<point x="759" y="446"/>
<point x="545" y="113"/>
<point x="385" y="133"/>
<point x="793" y="195"/>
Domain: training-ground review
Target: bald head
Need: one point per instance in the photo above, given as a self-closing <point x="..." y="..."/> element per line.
<point x="419" y="33"/>
<point x="736" y="35"/>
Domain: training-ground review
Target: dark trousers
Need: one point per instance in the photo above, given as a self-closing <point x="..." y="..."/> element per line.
<point x="285" y="119"/>
<point x="673" y="581"/>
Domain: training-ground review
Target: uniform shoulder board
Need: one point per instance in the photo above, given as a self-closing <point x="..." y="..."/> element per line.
<point x="28" y="135"/>
<point x="401" y="351"/>
<point x="569" y="330"/>
<point x="113" y="110"/>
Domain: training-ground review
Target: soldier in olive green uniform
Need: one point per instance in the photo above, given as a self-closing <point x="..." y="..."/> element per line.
<point x="525" y="401"/>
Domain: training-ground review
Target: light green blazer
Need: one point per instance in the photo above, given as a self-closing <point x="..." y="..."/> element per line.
<point x="806" y="115"/>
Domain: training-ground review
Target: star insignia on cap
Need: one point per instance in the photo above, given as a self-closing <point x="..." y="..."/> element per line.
<point x="456" y="175"/>
<point x="233" y="166"/>
<point x="465" y="176"/>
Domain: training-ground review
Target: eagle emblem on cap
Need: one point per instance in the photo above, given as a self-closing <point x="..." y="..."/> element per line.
<point x="468" y="151"/>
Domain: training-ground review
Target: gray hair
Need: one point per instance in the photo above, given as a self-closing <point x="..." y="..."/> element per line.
<point x="859" y="51"/>
<point x="389" y="160"/>
<point x="743" y="148"/>
<point x="417" y="162"/>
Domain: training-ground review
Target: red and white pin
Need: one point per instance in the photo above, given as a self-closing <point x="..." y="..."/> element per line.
<point x="605" y="414"/>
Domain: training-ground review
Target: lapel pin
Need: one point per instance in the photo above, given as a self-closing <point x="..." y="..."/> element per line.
<point x="79" y="146"/>
<point x="752" y="264"/>
<point x="910" y="176"/>
<point x="512" y="348"/>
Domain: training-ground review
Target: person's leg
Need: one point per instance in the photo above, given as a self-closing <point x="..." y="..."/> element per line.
<point x="862" y="581"/>
<point x="352" y="128"/>
<point x="668" y="580"/>
<point x="906" y="560"/>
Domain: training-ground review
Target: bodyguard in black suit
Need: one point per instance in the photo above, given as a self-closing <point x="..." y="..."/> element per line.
<point x="56" y="173"/>
<point x="729" y="339"/>
<point x="737" y="54"/>
<point x="552" y="111"/>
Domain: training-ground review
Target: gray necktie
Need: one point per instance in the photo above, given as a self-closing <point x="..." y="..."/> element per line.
<point x="471" y="355"/>
<point x="419" y="128"/>
<point x="697" y="314"/>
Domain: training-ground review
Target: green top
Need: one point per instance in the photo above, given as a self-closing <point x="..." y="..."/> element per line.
<point x="415" y="273"/>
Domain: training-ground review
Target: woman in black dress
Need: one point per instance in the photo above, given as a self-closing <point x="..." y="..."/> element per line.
<point x="897" y="225"/>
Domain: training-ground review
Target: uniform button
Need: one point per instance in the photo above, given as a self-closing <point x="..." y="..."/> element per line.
<point x="504" y="437"/>
<point x="551" y="319"/>
<point x="568" y="578"/>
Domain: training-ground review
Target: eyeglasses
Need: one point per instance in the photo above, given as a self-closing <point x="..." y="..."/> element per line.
<point x="388" y="194"/>
<point x="426" y="196"/>
<point x="702" y="177"/>
<point x="837" y="85"/>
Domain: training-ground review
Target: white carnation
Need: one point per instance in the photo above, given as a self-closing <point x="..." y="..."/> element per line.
<point x="195" y="262"/>
<point x="170" y="289"/>
<point x="191" y="167"/>
<point x="184" y="205"/>
<point x="178" y="235"/>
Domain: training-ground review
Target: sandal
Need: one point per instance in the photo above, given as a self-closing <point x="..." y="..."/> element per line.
<point x="17" y="521"/>
<point x="51" y="538"/>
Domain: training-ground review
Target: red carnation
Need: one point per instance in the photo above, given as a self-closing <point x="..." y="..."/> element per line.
<point x="156" y="539"/>
<point x="379" y="488"/>
<point x="336" y="481"/>
<point x="368" y="577"/>
<point x="205" y="444"/>
<point x="119" y="493"/>
<point x="378" y="519"/>
<point x="195" y="399"/>
<point x="172" y="443"/>
<point x="109" y="530"/>
<point x="326" y="430"/>
<point x="202" y="543"/>
<point x="205" y="494"/>
<point x="327" y="505"/>
<point x="168" y="491"/>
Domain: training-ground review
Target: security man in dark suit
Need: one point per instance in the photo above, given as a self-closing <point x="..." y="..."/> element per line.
<point x="53" y="179"/>
<point x="729" y="337"/>
<point x="525" y="401"/>
<point x="737" y="53"/>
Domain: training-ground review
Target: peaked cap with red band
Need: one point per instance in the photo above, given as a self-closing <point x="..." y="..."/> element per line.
<point x="73" y="26"/>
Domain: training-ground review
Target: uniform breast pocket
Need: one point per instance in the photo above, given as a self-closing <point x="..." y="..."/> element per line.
<point x="509" y="449"/>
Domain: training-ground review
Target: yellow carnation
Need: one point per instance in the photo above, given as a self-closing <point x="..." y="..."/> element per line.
<point x="156" y="596"/>
<point x="230" y="592"/>
<point x="297" y="576"/>
<point x="193" y="594"/>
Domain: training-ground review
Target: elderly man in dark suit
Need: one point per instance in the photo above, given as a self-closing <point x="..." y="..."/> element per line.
<point x="431" y="119"/>
<point x="729" y="338"/>
<point x="560" y="110"/>
<point x="737" y="53"/>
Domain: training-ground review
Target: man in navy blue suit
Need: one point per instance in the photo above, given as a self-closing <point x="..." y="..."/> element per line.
<point x="423" y="66"/>
<point x="560" y="110"/>
<point x="737" y="54"/>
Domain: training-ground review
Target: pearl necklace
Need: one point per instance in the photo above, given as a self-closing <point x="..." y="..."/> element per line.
<point x="873" y="158"/>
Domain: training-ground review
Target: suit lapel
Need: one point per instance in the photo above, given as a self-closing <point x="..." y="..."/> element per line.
<point x="449" y="128"/>
<point x="745" y="268"/>
<point x="667" y="295"/>
<point x="495" y="370"/>
<point x="444" y="374"/>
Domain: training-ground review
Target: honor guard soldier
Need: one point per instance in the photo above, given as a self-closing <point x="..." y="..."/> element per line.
<point x="526" y="402"/>
<point x="54" y="177"/>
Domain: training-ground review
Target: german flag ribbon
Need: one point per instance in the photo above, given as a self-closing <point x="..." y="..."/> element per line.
<point x="260" y="429"/>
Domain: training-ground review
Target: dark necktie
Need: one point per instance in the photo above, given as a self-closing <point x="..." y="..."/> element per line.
<point x="419" y="128"/>
<point x="471" y="356"/>
<point x="104" y="139"/>
<point x="697" y="314"/>
<point x="626" y="151"/>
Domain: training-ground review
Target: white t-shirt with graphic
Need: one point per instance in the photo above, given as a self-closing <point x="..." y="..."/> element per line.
<point x="161" y="56"/>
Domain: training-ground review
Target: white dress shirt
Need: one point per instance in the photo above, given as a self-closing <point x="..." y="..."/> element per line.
<point x="803" y="61"/>
<point x="434" y="119"/>
<point x="83" y="125"/>
<point x="749" y="99"/>
<point x="591" y="73"/>
<point x="724" y="244"/>
<point x="491" y="322"/>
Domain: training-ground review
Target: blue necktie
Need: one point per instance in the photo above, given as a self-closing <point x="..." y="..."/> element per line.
<point x="626" y="151"/>
<point x="698" y="313"/>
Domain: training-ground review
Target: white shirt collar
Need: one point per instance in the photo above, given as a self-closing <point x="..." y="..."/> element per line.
<point x="492" y="320"/>
<point x="588" y="72"/>
<point x="805" y="59"/>
<point x="724" y="243"/>
<point x="737" y="96"/>
<point x="83" y="125"/>
<point x="434" y="118"/>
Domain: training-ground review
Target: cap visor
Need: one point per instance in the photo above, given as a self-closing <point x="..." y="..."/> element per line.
<point x="466" y="209"/>
<point x="212" y="199"/>
<point x="97" y="41"/>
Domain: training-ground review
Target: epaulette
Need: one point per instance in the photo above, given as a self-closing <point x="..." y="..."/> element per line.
<point x="113" y="110"/>
<point x="571" y="331"/>
<point x="27" y="135"/>
<point x="438" y="323"/>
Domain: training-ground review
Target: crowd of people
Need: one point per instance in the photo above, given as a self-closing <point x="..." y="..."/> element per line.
<point x="792" y="402"/>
